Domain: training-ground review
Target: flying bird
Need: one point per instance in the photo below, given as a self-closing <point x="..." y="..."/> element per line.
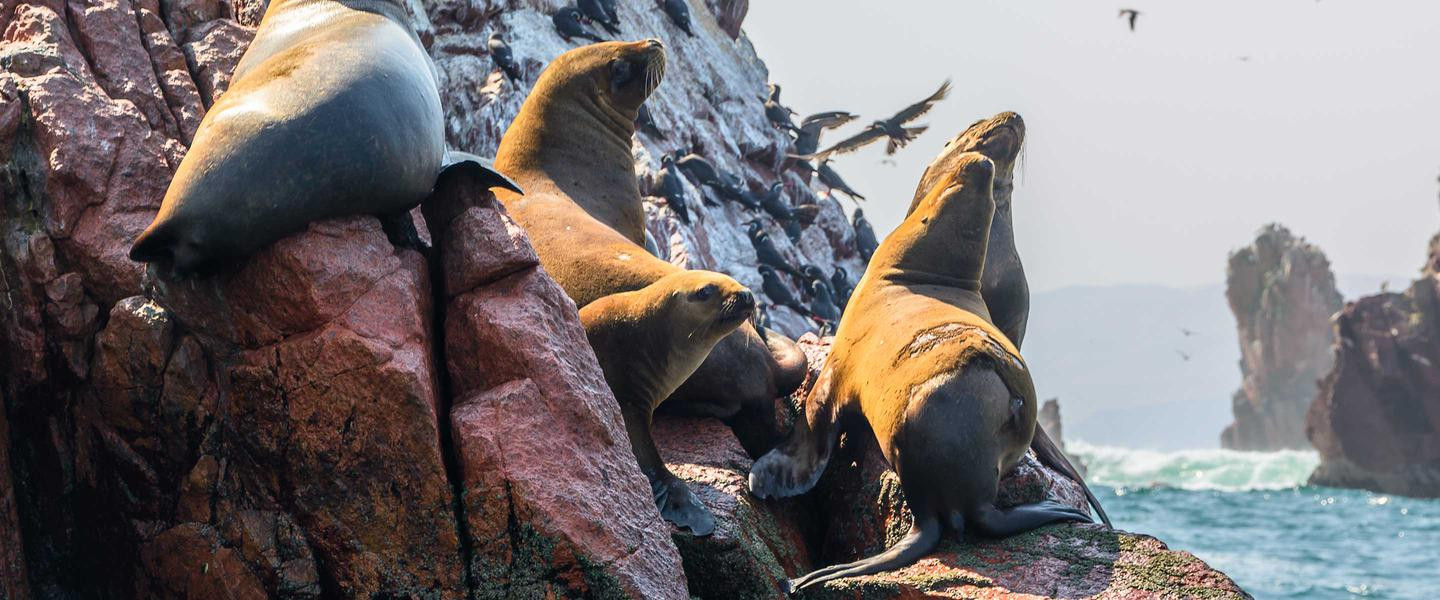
<point x="807" y="141"/>
<point x="1183" y="356"/>
<point x="503" y="56"/>
<point x="567" y="22"/>
<point x="892" y="129"/>
<point x="1132" y="14"/>
<point x="1186" y="332"/>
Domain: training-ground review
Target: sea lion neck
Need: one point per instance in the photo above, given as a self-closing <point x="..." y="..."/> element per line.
<point x="569" y="140"/>
<point x="945" y="239"/>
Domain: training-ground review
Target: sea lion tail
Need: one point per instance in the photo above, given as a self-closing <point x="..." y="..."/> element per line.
<point x="1051" y="456"/>
<point x="923" y="537"/>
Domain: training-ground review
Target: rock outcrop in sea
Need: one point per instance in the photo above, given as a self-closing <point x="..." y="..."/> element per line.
<point x="336" y="417"/>
<point x="1283" y="294"/>
<point x="1376" y="421"/>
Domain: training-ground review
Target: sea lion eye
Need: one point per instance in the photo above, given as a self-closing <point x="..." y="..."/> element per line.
<point x="704" y="293"/>
<point x="620" y="71"/>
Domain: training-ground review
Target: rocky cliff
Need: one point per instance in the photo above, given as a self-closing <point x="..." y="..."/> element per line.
<point x="336" y="417"/>
<point x="1282" y="293"/>
<point x="1376" y="421"/>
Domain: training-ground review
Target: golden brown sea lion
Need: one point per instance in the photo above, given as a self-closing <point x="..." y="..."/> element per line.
<point x="569" y="147"/>
<point x="648" y="342"/>
<point x="945" y="393"/>
<point x="332" y="111"/>
<point x="1003" y="285"/>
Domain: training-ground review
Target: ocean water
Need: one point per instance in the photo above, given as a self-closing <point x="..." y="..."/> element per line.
<point x="1251" y="516"/>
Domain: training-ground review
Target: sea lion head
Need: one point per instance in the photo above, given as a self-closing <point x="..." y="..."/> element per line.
<point x="947" y="231"/>
<point x="703" y="305"/>
<point x="999" y="138"/>
<point x="617" y="76"/>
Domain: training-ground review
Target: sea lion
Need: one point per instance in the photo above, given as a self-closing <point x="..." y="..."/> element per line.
<point x="333" y="110"/>
<point x="651" y="340"/>
<point x="946" y="395"/>
<point x="569" y="146"/>
<point x="1003" y="286"/>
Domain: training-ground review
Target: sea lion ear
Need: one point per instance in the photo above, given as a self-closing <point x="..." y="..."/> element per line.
<point x="481" y="168"/>
<point x="621" y="72"/>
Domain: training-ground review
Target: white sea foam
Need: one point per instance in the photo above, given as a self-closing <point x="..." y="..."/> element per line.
<point x="1224" y="470"/>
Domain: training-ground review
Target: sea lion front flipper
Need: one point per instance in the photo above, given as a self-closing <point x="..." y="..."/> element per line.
<point x="794" y="466"/>
<point x="674" y="499"/>
<point x="481" y="168"/>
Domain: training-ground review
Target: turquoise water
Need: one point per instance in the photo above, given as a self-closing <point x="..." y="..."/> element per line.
<point x="1249" y="515"/>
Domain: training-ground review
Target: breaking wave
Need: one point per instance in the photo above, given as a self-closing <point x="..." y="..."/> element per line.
<point x="1223" y="470"/>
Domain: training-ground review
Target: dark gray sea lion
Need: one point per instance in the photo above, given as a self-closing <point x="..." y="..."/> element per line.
<point x="651" y="340"/>
<point x="947" y="396"/>
<point x="1004" y="287"/>
<point x="332" y="111"/>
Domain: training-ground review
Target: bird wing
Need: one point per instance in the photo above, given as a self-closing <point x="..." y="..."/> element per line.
<point x="918" y="109"/>
<point x="828" y="120"/>
<point x="855" y="142"/>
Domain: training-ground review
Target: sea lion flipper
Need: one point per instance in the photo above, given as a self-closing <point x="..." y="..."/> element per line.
<point x="923" y="537"/>
<point x="1052" y="456"/>
<point x="998" y="523"/>
<point x="794" y="466"/>
<point x="400" y="229"/>
<point x="479" y="167"/>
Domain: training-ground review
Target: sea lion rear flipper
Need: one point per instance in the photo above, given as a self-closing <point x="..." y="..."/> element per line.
<point x="479" y="167"/>
<point x="794" y="466"/>
<point x="400" y="229"/>
<point x="1001" y="523"/>
<point x="923" y="537"/>
<point x="1051" y="456"/>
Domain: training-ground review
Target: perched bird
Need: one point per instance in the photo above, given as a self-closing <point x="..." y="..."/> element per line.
<point x="567" y="22"/>
<point x="892" y="128"/>
<point x="807" y="141"/>
<point x="679" y="12"/>
<point x="822" y="301"/>
<point x="832" y="180"/>
<point x="761" y="321"/>
<point x="778" y="114"/>
<point x="748" y="199"/>
<point x="765" y="249"/>
<point x="672" y="189"/>
<point x="774" y="203"/>
<point x="778" y="292"/>
<point x="840" y="282"/>
<point x="700" y="169"/>
<point x="806" y="213"/>
<point x="503" y="57"/>
<point x="1131" y="14"/>
<point x="595" y="11"/>
<point x="812" y="273"/>
<point x="792" y="230"/>
<point x="865" y="241"/>
<point x="646" y="123"/>
<point x="611" y="13"/>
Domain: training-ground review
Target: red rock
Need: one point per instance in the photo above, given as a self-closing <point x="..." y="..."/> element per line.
<point x="1283" y="294"/>
<point x="1376" y="421"/>
<point x="554" y="503"/>
<point x="756" y="543"/>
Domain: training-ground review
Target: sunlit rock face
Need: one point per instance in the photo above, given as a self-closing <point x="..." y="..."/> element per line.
<point x="1283" y="294"/>
<point x="1376" y="421"/>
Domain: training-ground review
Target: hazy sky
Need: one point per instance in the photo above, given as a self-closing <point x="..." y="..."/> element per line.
<point x="1151" y="154"/>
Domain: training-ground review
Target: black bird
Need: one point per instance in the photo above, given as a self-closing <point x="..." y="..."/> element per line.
<point x="822" y="302"/>
<point x="832" y="180"/>
<point x="1186" y="332"/>
<point x="765" y="250"/>
<point x="702" y="170"/>
<point x="840" y="281"/>
<point x="774" y="203"/>
<point x="1131" y="14"/>
<point x="792" y="230"/>
<point x="778" y="292"/>
<point x="503" y="56"/>
<point x="1183" y="356"/>
<point x="892" y="128"/>
<point x="672" y="189"/>
<point x="679" y="12"/>
<point x="567" y="22"/>
<point x="611" y="13"/>
<point x="595" y="11"/>
<point x="646" y="123"/>
<point x="865" y="241"/>
<point x="761" y="321"/>
<point x="812" y="273"/>
<point x="777" y="112"/>
<point x="748" y="199"/>
<point x="807" y="141"/>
